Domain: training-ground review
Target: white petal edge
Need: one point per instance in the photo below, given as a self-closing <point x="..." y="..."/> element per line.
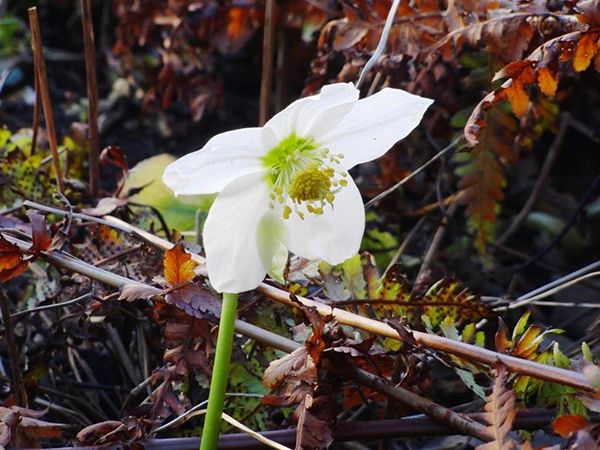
<point x="223" y="158"/>
<point x="374" y="125"/>
<point x="235" y="260"/>
<point x="333" y="236"/>
<point x="312" y="115"/>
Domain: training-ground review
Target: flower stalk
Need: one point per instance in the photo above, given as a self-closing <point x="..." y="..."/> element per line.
<point x="220" y="375"/>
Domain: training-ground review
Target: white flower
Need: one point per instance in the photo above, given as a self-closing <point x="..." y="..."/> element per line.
<point x="287" y="183"/>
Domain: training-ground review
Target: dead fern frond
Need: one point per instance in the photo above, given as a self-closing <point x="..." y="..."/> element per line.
<point x="500" y="414"/>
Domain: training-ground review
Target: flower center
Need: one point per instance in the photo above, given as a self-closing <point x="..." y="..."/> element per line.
<point x="303" y="176"/>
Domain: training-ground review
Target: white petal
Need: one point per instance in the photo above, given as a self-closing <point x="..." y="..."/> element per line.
<point x="237" y="253"/>
<point x="333" y="236"/>
<point x="374" y="125"/>
<point x="224" y="158"/>
<point x="310" y="116"/>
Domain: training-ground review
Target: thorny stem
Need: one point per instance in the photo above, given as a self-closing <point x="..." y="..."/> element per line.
<point x="220" y="375"/>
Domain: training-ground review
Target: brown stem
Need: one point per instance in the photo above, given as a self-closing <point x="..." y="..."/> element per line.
<point x="433" y="246"/>
<point x="267" y="63"/>
<point x="446" y="345"/>
<point x="438" y="412"/>
<point x="92" y="91"/>
<point x="40" y="66"/>
<point x="13" y="353"/>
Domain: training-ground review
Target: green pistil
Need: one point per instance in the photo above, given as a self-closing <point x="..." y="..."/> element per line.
<point x="285" y="153"/>
<point x="302" y="176"/>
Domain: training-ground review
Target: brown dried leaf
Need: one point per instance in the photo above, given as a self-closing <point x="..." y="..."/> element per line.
<point x="105" y="206"/>
<point x="178" y="265"/>
<point x="11" y="260"/>
<point x="280" y="369"/>
<point x="194" y="300"/>
<point x="22" y="427"/>
<point x="500" y="413"/>
<point x="311" y="432"/>
<point x="133" y="292"/>
<point x="40" y="234"/>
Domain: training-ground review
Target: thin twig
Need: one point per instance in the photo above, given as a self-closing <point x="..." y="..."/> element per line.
<point x="80" y="299"/>
<point x="389" y="21"/>
<point x="40" y="65"/>
<point x="409" y="177"/>
<point x="13" y="353"/>
<point x="263" y="440"/>
<point x="570" y="222"/>
<point x="267" y="62"/>
<point x="541" y="180"/>
<point x="434" y="245"/>
<point x="549" y="292"/>
<point x="87" y="217"/>
<point x="402" y="248"/>
<point x="92" y="91"/>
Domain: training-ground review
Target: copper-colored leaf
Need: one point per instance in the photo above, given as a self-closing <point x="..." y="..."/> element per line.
<point x="11" y="260"/>
<point x="566" y="425"/>
<point x="518" y="98"/>
<point x="115" y="156"/>
<point x="587" y="47"/>
<point x="10" y="254"/>
<point x="178" y="265"/>
<point x="501" y="338"/>
<point x="547" y="81"/>
<point x="500" y="413"/>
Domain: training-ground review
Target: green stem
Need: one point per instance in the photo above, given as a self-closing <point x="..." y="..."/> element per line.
<point x="220" y="375"/>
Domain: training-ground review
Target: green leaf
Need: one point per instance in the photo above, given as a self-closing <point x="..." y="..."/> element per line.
<point x="469" y="379"/>
<point x="179" y="212"/>
<point x="520" y="326"/>
<point x="587" y="353"/>
<point x="353" y="277"/>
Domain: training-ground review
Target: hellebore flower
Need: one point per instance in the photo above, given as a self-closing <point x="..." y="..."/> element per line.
<point x="287" y="183"/>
